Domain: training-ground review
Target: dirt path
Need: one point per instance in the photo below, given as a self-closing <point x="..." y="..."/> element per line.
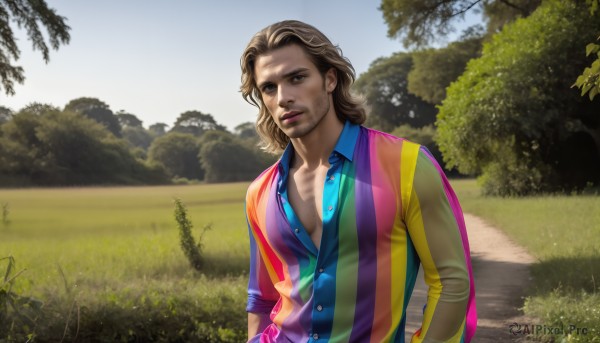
<point x="501" y="270"/>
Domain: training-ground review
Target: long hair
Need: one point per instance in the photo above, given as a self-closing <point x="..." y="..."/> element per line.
<point x="322" y="53"/>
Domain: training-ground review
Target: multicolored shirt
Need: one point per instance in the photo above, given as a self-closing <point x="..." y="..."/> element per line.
<point x="387" y="207"/>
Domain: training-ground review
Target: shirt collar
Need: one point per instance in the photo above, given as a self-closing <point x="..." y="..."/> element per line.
<point x="344" y="146"/>
<point x="347" y="141"/>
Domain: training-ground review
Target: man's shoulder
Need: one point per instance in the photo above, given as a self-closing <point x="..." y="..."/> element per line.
<point x="390" y="141"/>
<point x="262" y="182"/>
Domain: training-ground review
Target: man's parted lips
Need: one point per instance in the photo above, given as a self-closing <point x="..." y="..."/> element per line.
<point x="290" y="114"/>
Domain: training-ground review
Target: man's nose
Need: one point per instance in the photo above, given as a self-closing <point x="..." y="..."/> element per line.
<point x="284" y="95"/>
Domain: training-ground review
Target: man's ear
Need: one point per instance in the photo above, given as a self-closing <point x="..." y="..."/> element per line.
<point x="330" y="80"/>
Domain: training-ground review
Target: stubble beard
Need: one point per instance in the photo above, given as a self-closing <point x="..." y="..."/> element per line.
<point x="322" y="103"/>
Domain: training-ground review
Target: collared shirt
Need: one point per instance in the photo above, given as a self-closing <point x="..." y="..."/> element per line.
<point x="387" y="207"/>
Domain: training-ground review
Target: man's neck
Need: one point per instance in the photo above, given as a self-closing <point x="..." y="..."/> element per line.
<point x="314" y="149"/>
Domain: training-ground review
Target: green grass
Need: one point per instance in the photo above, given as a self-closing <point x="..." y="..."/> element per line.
<point x="126" y="278"/>
<point x="119" y="251"/>
<point x="563" y="233"/>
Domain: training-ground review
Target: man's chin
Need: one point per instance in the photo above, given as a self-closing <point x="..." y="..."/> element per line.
<point x="296" y="133"/>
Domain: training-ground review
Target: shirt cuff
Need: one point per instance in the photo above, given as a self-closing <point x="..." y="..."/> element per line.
<point x="258" y="305"/>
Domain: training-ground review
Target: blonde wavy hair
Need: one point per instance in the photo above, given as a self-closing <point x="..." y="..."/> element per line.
<point x="323" y="54"/>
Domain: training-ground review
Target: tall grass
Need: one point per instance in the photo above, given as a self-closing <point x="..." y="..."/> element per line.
<point x="563" y="233"/>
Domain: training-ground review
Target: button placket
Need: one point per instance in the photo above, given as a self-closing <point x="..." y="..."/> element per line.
<point x="322" y="283"/>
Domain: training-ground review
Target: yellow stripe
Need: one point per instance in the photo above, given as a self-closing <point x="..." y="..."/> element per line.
<point x="408" y="164"/>
<point x="414" y="221"/>
<point x="432" y="278"/>
<point x="399" y="244"/>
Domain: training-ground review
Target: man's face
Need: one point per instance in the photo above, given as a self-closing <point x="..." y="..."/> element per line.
<point x="293" y="90"/>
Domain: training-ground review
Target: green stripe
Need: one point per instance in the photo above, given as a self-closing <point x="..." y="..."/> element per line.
<point x="347" y="264"/>
<point x="306" y="279"/>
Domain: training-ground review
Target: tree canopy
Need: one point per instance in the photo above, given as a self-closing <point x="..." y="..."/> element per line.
<point x="385" y="87"/>
<point x="97" y="110"/>
<point x="5" y="114"/>
<point x="230" y="160"/>
<point x="178" y="153"/>
<point x="32" y="16"/>
<point x="158" y="129"/>
<point x="422" y="22"/>
<point x="128" y="120"/>
<point x="434" y="69"/>
<point x="65" y="148"/>
<point x="512" y="116"/>
<point x="196" y="123"/>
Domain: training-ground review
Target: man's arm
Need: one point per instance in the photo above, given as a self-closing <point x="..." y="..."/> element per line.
<point x="257" y="323"/>
<point x="262" y="295"/>
<point x="433" y="218"/>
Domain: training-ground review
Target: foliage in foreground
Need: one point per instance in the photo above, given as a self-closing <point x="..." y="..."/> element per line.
<point x="152" y="313"/>
<point x="34" y="16"/>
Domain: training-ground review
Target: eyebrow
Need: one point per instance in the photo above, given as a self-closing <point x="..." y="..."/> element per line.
<point x="285" y="76"/>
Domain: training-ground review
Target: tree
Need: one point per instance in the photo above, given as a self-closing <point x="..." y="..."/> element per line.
<point x="178" y="153"/>
<point x="128" y="120"/>
<point x="97" y="110"/>
<point x="499" y="13"/>
<point x="137" y="137"/>
<point x="434" y="69"/>
<point x="158" y="129"/>
<point x="196" y="123"/>
<point x="66" y="148"/>
<point x="31" y="15"/>
<point x="246" y="130"/>
<point x="422" y="22"/>
<point x="512" y="119"/>
<point x="227" y="160"/>
<point x="385" y="87"/>
<point x="5" y="114"/>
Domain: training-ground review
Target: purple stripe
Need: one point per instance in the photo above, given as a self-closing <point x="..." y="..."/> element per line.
<point x="367" y="244"/>
<point x="279" y="232"/>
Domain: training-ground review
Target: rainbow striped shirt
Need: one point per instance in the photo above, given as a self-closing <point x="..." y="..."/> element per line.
<point x="387" y="207"/>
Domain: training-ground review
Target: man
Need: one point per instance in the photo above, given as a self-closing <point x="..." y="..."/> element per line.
<point x="339" y="225"/>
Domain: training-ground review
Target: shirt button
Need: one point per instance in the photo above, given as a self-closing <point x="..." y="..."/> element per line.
<point x="319" y="308"/>
<point x="332" y="177"/>
<point x="315" y="336"/>
<point x="321" y="270"/>
<point x="330" y="207"/>
<point x="297" y="230"/>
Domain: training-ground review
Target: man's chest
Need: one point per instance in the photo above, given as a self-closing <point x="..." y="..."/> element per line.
<point x="305" y="194"/>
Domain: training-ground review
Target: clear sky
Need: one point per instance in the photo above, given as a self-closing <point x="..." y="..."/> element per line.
<point x="157" y="59"/>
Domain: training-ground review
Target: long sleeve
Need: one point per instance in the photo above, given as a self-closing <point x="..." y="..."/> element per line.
<point x="434" y="221"/>
<point x="262" y="295"/>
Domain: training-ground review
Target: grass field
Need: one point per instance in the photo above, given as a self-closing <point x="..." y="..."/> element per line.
<point x="107" y="263"/>
<point x="119" y="252"/>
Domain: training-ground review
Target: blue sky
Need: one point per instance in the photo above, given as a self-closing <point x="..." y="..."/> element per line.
<point x="157" y="59"/>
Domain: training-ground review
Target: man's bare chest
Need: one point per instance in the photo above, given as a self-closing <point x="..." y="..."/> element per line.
<point x="305" y="192"/>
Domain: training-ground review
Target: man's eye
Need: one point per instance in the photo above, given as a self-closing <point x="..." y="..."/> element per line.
<point x="268" y="88"/>
<point x="298" y="78"/>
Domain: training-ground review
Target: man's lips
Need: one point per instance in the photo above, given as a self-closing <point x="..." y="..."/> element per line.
<point x="289" y="115"/>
